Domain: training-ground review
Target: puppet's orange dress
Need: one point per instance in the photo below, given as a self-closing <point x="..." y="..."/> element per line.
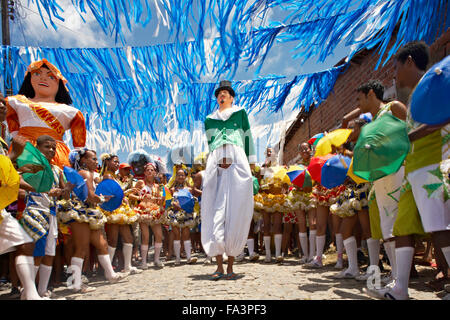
<point x="32" y="119"/>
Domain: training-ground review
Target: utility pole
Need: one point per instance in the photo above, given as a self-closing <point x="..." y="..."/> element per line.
<point x="7" y="13"/>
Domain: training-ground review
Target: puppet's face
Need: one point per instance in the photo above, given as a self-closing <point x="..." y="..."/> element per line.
<point x="138" y="166"/>
<point x="44" y="83"/>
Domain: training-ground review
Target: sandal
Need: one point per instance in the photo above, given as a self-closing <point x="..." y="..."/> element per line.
<point x="217" y="275"/>
<point x="231" y="276"/>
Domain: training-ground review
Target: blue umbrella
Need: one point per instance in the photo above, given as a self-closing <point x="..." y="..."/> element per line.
<point x="334" y="171"/>
<point x="80" y="189"/>
<point x="185" y="199"/>
<point x="430" y="102"/>
<point x="109" y="187"/>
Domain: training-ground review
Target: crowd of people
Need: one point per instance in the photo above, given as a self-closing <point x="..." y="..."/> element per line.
<point x="223" y="206"/>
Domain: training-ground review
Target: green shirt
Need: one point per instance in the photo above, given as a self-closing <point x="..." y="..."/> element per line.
<point x="235" y="130"/>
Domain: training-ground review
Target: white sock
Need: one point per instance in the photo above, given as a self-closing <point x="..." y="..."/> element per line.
<point x="278" y="238"/>
<point x="36" y="270"/>
<point x="44" y="276"/>
<point x="389" y="247"/>
<point x="176" y="249"/>
<point x="373" y="246"/>
<point x="404" y="257"/>
<point x="144" y="253"/>
<point x="251" y="246"/>
<point x="187" y="248"/>
<point x="25" y="271"/>
<point x="267" y="246"/>
<point x="304" y="242"/>
<point x="76" y="265"/>
<point x="158" y="246"/>
<point x="312" y="244"/>
<point x="320" y="244"/>
<point x="127" y="250"/>
<point x="111" y="252"/>
<point x="339" y="245"/>
<point x="351" y="250"/>
<point x="105" y="262"/>
<point x="446" y="252"/>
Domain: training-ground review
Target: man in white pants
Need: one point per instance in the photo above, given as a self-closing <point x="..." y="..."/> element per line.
<point x="227" y="196"/>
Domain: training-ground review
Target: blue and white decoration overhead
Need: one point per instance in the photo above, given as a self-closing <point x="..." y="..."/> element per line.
<point x="130" y="91"/>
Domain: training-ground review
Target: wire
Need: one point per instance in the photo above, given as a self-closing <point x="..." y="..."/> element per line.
<point x="57" y="23"/>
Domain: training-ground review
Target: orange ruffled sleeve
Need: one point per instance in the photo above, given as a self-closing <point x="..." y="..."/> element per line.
<point x="78" y="130"/>
<point x="12" y="120"/>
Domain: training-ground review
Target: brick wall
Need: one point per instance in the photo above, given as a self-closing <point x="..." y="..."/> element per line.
<point x="329" y="114"/>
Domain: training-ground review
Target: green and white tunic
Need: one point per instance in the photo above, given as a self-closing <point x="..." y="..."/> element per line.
<point x="227" y="198"/>
<point x="424" y="204"/>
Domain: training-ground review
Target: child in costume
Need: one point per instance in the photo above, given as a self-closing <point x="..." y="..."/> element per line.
<point x="15" y="236"/>
<point x="119" y="220"/>
<point x="227" y="206"/>
<point x="40" y="208"/>
<point x="181" y="220"/>
<point x="42" y="107"/>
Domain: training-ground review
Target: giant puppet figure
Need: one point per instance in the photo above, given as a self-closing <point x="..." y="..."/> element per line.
<point x="42" y="107"/>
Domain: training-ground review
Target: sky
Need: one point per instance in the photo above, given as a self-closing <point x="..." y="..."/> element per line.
<point x="28" y="30"/>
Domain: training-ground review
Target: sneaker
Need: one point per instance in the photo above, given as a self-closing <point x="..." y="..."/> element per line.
<point x="386" y="293"/>
<point x="315" y="264"/>
<point x="15" y="293"/>
<point x="267" y="259"/>
<point x="240" y="257"/>
<point x="159" y="264"/>
<point x="84" y="289"/>
<point x="177" y="262"/>
<point x="116" y="278"/>
<point x="84" y="279"/>
<point x="143" y="266"/>
<point x="51" y="296"/>
<point x="192" y="260"/>
<point x="344" y="274"/>
<point x="132" y="270"/>
<point x="303" y="260"/>
<point x="254" y="257"/>
<point x="280" y="259"/>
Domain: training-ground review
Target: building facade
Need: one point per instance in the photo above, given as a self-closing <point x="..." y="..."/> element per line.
<point x="328" y="115"/>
